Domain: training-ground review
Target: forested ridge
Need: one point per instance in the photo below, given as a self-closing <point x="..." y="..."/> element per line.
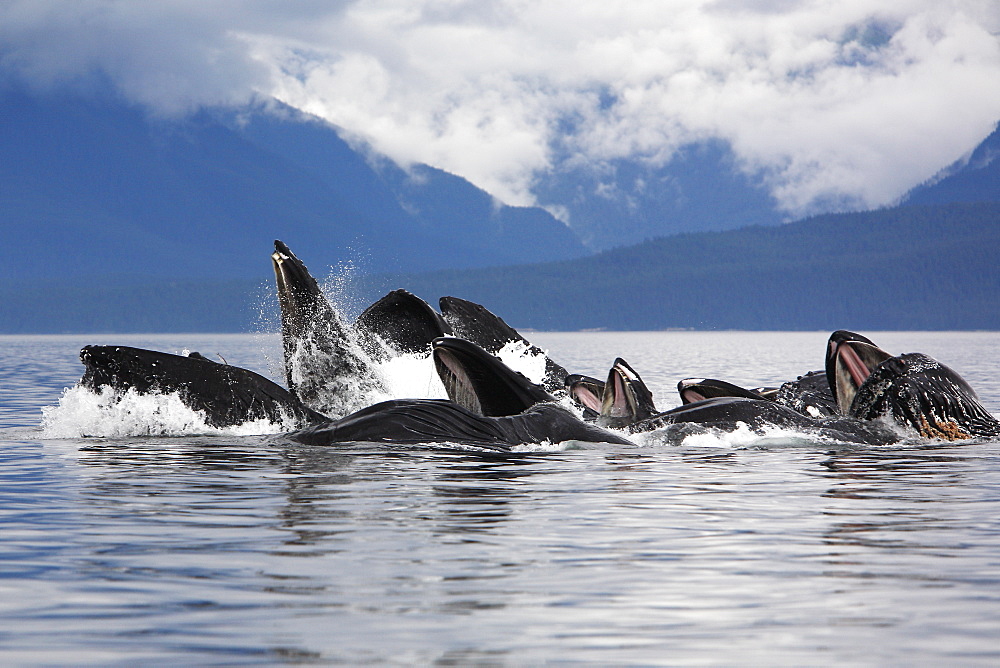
<point x="919" y="267"/>
<point x="912" y="267"/>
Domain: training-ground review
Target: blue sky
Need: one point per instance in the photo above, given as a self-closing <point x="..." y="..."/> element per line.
<point x="833" y="100"/>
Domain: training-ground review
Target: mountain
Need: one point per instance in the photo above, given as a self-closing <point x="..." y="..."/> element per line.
<point x="624" y="202"/>
<point x="976" y="178"/>
<point x="117" y="221"/>
<point x="94" y="187"/>
<point x="915" y="267"/>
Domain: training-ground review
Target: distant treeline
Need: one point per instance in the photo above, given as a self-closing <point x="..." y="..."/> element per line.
<point x="927" y="267"/>
<point x="919" y="267"/>
<point x="132" y="304"/>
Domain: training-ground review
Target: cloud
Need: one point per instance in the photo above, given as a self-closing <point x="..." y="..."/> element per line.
<point x="836" y="102"/>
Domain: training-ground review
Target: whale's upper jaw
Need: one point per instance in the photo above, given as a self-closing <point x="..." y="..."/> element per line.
<point x="586" y="392"/>
<point x="699" y="389"/>
<point x="301" y="299"/>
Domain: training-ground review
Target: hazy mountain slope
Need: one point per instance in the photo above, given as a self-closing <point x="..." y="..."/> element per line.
<point x="92" y="186"/>
<point x="113" y="221"/>
<point x="702" y="188"/>
<point x="625" y="202"/>
<point x="975" y="179"/>
<point x="465" y="223"/>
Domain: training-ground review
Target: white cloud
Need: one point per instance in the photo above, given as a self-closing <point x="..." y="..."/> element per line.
<point x="835" y="100"/>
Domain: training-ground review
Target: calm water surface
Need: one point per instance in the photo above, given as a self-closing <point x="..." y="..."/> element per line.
<point x="235" y="550"/>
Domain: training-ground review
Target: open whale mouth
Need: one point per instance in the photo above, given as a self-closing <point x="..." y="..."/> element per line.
<point x="700" y="389"/>
<point x="482" y="383"/>
<point x="587" y="392"/>
<point x="850" y="361"/>
<point x="456" y="380"/>
<point x="626" y="399"/>
<point x="854" y="364"/>
<point x="691" y="391"/>
<point x="616" y="402"/>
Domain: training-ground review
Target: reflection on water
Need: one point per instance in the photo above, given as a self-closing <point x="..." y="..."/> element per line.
<point x="243" y="550"/>
<point x="255" y="551"/>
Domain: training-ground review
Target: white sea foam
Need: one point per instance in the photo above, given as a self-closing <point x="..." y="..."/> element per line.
<point x="518" y="356"/>
<point x="83" y="412"/>
<point x="412" y="376"/>
<point x="545" y="446"/>
<point x="741" y="437"/>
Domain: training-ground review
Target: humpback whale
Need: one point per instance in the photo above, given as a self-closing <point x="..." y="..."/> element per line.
<point x="227" y="395"/>
<point x="586" y="392"/>
<point x="410" y="421"/>
<point x="699" y="389"/>
<point x="809" y="394"/>
<point x="331" y="365"/>
<point x="331" y="368"/>
<point x="728" y="413"/>
<point x="404" y="321"/>
<point x="625" y="400"/>
<point x="627" y="404"/>
<point x="476" y="323"/>
<point x="481" y="382"/>
<point x="326" y="364"/>
<point x="913" y="390"/>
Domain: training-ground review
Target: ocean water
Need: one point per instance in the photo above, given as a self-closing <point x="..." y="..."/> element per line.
<point x="132" y="536"/>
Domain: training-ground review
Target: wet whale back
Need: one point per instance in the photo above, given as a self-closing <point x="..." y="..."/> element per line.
<point x="227" y="395"/>
<point x="409" y="421"/>
<point x="404" y="321"/>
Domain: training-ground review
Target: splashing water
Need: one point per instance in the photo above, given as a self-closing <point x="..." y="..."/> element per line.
<point x="548" y="446"/>
<point x="411" y="376"/>
<point x="518" y="356"/>
<point x="334" y="379"/>
<point x="330" y="365"/>
<point x="337" y="287"/>
<point x="82" y="412"/>
<point x="694" y="435"/>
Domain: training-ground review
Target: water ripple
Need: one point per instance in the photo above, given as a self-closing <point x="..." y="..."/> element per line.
<point x="229" y="549"/>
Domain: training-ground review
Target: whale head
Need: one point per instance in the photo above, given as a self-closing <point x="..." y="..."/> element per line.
<point x="913" y="389"/>
<point x="626" y="399"/>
